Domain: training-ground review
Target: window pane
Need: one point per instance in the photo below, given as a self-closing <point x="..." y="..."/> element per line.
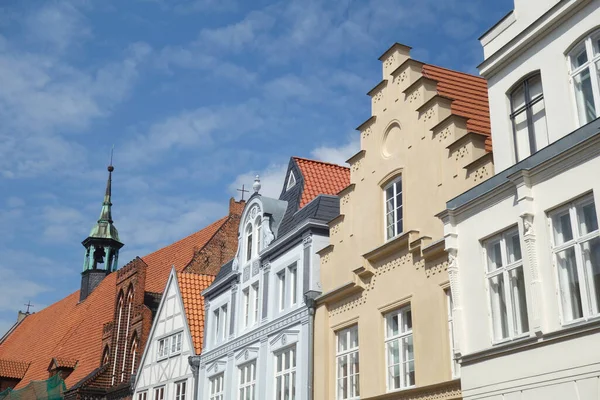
<point x="407" y="320"/>
<point x="578" y="57"/>
<point x="494" y="256"/>
<point x="393" y="352"/>
<point x="389" y="199"/>
<point x="278" y="388"/>
<point x="514" y="247"/>
<point x="354" y="365"/>
<point x="354" y="337"/>
<point x="585" y="96"/>
<point x="392" y="325"/>
<point x="520" y="123"/>
<point x="519" y="300"/>
<point x="591" y="262"/>
<point x="498" y="302"/>
<point x="586" y="214"/>
<point x="342" y="341"/>
<point x="540" y="129"/>
<point x="569" y="284"/>
<point x="562" y="227"/>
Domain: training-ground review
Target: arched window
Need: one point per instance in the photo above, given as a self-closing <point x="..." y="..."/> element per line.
<point x="105" y="355"/>
<point x="127" y="324"/>
<point x="258" y="229"/>
<point x="249" y="232"/>
<point x="134" y="352"/>
<point x="120" y="304"/>
<point x="528" y="116"/>
<point x="584" y="64"/>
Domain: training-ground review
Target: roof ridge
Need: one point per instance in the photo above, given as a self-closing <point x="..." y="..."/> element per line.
<point x="457" y="72"/>
<point x="222" y="220"/>
<point x="319" y="161"/>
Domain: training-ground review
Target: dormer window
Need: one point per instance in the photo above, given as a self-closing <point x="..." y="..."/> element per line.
<point x="291" y="181"/>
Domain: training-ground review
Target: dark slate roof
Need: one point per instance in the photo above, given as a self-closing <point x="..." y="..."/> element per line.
<point x="323" y="208"/>
<point x="223" y="272"/>
<point x="547" y="153"/>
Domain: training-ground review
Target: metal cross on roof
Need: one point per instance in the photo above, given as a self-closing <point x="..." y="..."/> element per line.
<point x="243" y="190"/>
<point x="29" y="305"/>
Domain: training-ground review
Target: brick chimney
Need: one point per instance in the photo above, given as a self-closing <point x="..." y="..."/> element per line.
<point x="236" y="207"/>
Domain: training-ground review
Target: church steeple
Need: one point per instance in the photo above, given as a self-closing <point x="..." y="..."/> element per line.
<point x="101" y="246"/>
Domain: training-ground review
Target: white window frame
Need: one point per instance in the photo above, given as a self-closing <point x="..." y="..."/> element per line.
<point x="220" y="322"/>
<point x="291" y="181"/>
<point x="159" y="392"/>
<point x="454" y="364"/>
<point x="258" y="234"/>
<point x="216" y="387"/>
<point x="255" y="290"/>
<point x="353" y="392"/>
<point x="249" y="241"/>
<point x="290" y="373"/>
<point x="293" y="273"/>
<point x="246" y="300"/>
<point x="246" y="384"/>
<point x="398" y="225"/>
<point x="170" y="345"/>
<point x="408" y="332"/>
<point x="592" y="65"/>
<point x="180" y="390"/>
<point x="282" y="282"/>
<point x="575" y="243"/>
<point x="163" y="347"/>
<point x="512" y="310"/>
<point x="142" y="395"/>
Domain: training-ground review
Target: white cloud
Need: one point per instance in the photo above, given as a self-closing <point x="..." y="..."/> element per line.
<point x="338" y="155"/>
<point x="15" y="202"/>
<point x="16" y="289"/>
<point x="271" y="181"/>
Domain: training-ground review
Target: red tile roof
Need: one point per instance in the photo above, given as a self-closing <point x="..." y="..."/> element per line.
<point x="13" y="369"/>
<point x="67" y="330"/>
<point x="321" y="178"/>
<point x="71" y="331"/>
<point x="190" y="286"/>
<point x="178" y="254"/>
<point x="470" y="94"/>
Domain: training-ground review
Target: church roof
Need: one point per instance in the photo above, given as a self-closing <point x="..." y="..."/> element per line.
<point x="178" y="255"/>
<point x="321" y="178"/>
<point x="71" y="330"/>
<point x="470" y="95"/>
<point x="191" y="287"/>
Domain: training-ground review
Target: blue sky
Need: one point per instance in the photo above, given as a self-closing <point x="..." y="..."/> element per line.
<point x="197" y="96"/>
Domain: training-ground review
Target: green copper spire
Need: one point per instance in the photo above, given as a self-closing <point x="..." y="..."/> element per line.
<point x="105" y="229"/>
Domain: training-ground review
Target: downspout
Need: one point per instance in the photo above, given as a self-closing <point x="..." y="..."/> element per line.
<point x="309" y="300"/>
<point x="194" y="362"/>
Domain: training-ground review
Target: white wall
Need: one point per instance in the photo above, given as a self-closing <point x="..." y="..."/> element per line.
<point x="548" y="56"/>
<point x="154" y="372"/>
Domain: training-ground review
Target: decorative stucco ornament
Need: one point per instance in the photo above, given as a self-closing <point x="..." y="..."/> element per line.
<point x="256" y="185"/>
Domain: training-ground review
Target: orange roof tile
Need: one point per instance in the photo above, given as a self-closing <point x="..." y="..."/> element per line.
<point x="65" y="363"/>
<point x="66" y="330"/>
<point x="470" y="94"/>
<point x="13" y="369"/>
<point x="321" y="178"/>
<point x="191" y="285"/>
<point x="178" y="255"/>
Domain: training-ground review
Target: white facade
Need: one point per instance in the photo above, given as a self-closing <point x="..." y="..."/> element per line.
<point x="524" y="246"/>
<point x="164" y="369"/>
<point x="257" y="323"/>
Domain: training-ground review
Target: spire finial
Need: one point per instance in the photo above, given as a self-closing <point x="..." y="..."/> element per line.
<point x="110" y="166"/>
<point x="256" y="186"/>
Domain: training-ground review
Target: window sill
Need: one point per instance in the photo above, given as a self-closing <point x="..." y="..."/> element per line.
<point x="497" y="343"/>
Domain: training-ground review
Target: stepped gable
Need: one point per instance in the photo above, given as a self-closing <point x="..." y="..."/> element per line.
<point x="67" y="330"/>
<point x="470" y="95"/>
<point x="177" y="255"/>
<point x="191" y="287"/>
<point x="321" y="178"/>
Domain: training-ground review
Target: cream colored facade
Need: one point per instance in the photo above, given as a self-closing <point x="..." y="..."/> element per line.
<point x="412" y="134"/>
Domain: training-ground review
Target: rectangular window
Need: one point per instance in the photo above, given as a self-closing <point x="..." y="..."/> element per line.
<point x="246" y="295"/>
<point x="285" y="374"/>
<point x="393" y="208"/>
<point x="282" y="291"/>
<point x="400" y="357"/>
<point x="162" y="348"/>
<point x="249" y="244"/>
<point x="180" y="389"/>
<point x="173" y="344"/>
<point x="293" y="271"/>
<point x="506" y="285"/>
<point x="347" y="364"/>
<point x="455" y="366"/>
<point x="585" y="77"/>
<point x="159" y="393"/>
<point x="142" y="395"/>
<point x="179" y="337"/>
<point x="220" y="319"/>
<point x="255" y="297"/>
<point x="216" y="389"/>
<point x="576" y="250"/>
<point x="247" y="381"/>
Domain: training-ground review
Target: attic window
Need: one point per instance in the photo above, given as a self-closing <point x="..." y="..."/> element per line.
<point x="291" y="181"/>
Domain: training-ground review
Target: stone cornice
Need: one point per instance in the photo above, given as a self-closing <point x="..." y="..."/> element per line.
<point x="391" y="246"/>
<point x="437" y="391"/>
<point x="255" y="335"/>
<point x="343" y="291"/>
